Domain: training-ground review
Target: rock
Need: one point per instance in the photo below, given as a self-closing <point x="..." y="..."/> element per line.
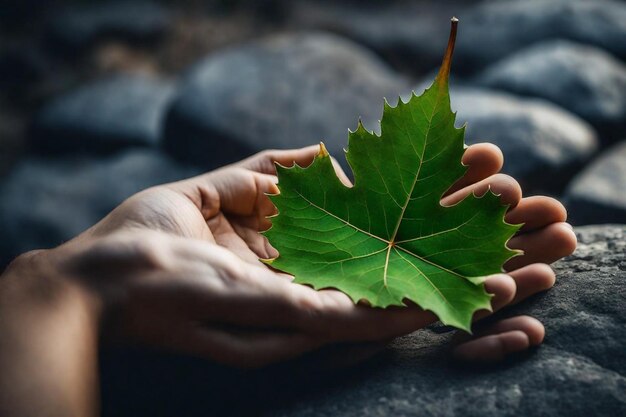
<point x="73" y="29"/>
<point x="103" y="116"/>
<point x="582" y="79"/>
<point x="579" y="371"/>
<point x="542" y="144"/>
<point x="598" y="194"/>
<point x="413" y="34"/>
<point x="286" y="91"/>
<point x="45" y="202"/>
<point x="495" y="29"/>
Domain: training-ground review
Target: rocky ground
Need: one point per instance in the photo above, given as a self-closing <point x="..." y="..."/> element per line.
<point x="579" y="371"/>
<point x="99" y="100"/>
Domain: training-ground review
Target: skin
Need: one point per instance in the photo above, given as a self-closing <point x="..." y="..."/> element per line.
<point x="176" y="267"/>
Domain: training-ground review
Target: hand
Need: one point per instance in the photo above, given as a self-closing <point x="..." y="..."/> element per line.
<point x="177" y="266"/>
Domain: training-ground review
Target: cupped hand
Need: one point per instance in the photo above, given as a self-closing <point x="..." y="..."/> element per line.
<point x="177" y="266"/>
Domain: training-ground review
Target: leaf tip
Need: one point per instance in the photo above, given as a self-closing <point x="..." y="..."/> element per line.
<point x="323" y="153"/>
<point x="444" y="70"/>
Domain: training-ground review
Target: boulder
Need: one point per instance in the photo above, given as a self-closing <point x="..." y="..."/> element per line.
<point x="495" y="29"/>
<point x="45" y="202"/>
<point x="413" y="34"/>
<point x="579" y="371"/>
<point x="543" y="145"/>
<point x="104" y="116"/>
<point x="582" y="79"/>
<point x="598" y="194"/>
<point x="286" y="91"/>
<point x="73" y="29"/>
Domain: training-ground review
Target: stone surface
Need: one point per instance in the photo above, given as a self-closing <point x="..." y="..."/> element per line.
<point x="286" y="91"/>
<point x="584" y="80"/>
<point x="542" y="144"/>
<point x="414" y="34"/>
<point x="75" y="28"/>
<point x="45" y="202"/>
<point x="495" y="29"/>
<point x="598" y="194"/>
<point x="579" y="371"/>
<point x="103" y="116"/>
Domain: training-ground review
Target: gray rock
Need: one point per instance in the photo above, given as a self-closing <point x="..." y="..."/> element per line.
<point x="45" y="202"/>
<point x="584" y="80"/>
<point x="286" y="91"/>
<point x="495" y="29"/>
<point x="579" y="371"/>
<point x="103" y="116"/>
<point x="73" y="29"/>
<point x="542" y="144"/>
<point x="413" y="34"/>
<point x="598" y="194"/>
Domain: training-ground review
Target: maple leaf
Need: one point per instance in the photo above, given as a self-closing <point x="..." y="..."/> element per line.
<point x="388" y="239"/>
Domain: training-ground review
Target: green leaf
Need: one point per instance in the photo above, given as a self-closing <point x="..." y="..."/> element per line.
<point x="388" y="239"/>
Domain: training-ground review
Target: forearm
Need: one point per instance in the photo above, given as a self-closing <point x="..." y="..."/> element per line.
<point x="48" y="344"/>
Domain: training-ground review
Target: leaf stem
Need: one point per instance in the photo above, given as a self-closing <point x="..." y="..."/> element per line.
<point x="444" y="70"/>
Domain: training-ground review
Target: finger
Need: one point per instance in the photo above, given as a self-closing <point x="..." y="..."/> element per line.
<point x="232" y="189"/>
<point x="340" y="173"/>
<point x="248" y="231"/>
<point x="517" y="286"/>
<point x="493" y="348"/>
<point x="529" y="325"/>
<point x="226" y="236"/>
<point x="264" y="161"/>
<point x="244" y="193"/>
<point x="485" y="347"/>
<point x="536" y="212"/>
<point x="503" y="185"/>
<point x="482" y="160"/>
<point x="338" y="319"/>
<point x="244" y="349"/>
<point x="531" y="280"/>
<point x="503" y="287"/>
<point x="545" y="245"/>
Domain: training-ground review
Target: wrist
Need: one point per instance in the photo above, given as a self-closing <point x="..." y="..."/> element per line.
<point x="36" y="282"/>
<point x="49" y="329"/>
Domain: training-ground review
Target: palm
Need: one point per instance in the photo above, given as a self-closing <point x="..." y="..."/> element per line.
<point x="227" y="207"/>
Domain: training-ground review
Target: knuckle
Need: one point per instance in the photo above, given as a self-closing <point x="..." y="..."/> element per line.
<point x="267" y="153"/>
<point x="231" y="269"/>
<point x="310" y="305"/>
<point x="143" y="251"/>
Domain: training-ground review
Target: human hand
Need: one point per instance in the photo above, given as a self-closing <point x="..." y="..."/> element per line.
<point x="177" y="266"/>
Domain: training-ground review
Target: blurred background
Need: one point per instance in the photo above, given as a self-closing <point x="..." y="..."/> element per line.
<point x="101" y="99"/>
